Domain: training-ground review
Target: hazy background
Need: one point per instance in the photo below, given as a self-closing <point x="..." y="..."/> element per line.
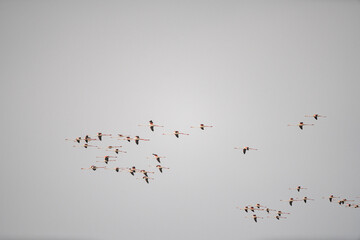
<point x="70" y="68"/>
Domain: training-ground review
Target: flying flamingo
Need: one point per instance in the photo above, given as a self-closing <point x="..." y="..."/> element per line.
<point x="258" y="205"/>
<point x="176" y="133"/>
<point x="344" y="200"/>
<point x="161" y="168"/>
<point x="255" y="217"/>
<point x="268" y="210"/>
<point x="146" y="172"/>
<point x="78" y="139"/>
<point x="316" y="116"/>
<point x="146" y="178"/>
<point x="297" y="188"/>
<point x="109" y="147"/>
<point x="279" y="213"/>
<point x="87" y="139"/>
<point x="117" y="169"/>
<point x="301" y="124"/>
<point x="92" y="167"/>
<point x="157" y="157"/>
<point x="306" y="199"/>
<point x="85" y="145"/>
<point x="151" y="125"/>
<point x="246" y="208"/>
<point x="202" y="126"/>
<point x="255" y="209"/>
<point x="116" y="150"/>
<point x="245" y="149"/>
<point x="100" y="135"/>
<point x="277" y="217"/>
<point x="291" y="200"/>
<point x="131" y="170"/>
<point x="331" y="197"/>
<point x="137" y="139"/>
<point x="107" y="159"/>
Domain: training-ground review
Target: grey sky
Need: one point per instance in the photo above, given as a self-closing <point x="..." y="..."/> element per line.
<point x="70" y="68"/>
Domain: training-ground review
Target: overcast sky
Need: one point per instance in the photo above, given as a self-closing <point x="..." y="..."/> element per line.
<point x="249" y="68"/>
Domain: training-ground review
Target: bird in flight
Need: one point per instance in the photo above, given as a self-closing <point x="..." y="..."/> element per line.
<point x="157" y="157"/>
<point x="301" y="124"/>
<point x="100" y="135"/>
<point x="107" y="159"/>
<point x="254" y="217"/>
<point x="161" y="168"/>
<point x="245" y="149"/>
<point x="202" y="126"/>
<point x="151" y="125"/>
<point x="137" y="139"/>
<point x="298" y="188"/>
<point x="316" y="116"/>
<point x="291" y="200"/>
<point x="176" y="133"/>
<point x="92" y="167"/>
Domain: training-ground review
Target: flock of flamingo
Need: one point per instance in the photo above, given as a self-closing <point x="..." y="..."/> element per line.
<point x="278" y="213"/>
<point x="133" y="170"/>
<point x="116" y="149"/>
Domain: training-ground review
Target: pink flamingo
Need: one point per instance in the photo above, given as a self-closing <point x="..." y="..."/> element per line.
<point x="245" y="149"/>
<point x="151" y="125"/>
<point x="300" y="125"/>
<point x="291" y="200"/>
<point x="202" y="126"/>
<point x="297" y="188"/>
<point x="316" y="116"/>
<point x="176" y="133"/>
<point x="100" y="135"/>
<point x="92" y="167"/>
<point x="161" y="168"/>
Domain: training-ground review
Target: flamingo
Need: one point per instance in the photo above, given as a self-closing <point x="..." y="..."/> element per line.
<point x="151" y="125"/>
<point x="176" y="133"/>
<point x="161" y="168"/>
<point x="301" y="124"/>
<point x="355" y="206"/>
<point x="110" y="147"/>
<point x="316" y="116"/>
<point x="245" y="149"/>
<point x="116" y="150"/>
<point x="78" y="139"/>
<point x="137" y="139"/>
<point x="87" y="139"/>
<point x="291" y="200"/>
<point x="255" y="217"/>
<point x="306" y="199"/>
<point x="202" y="126"/>
<point x="331" y="197"/>
<point x="344" y="200"/>
<point x="131" y="170"/>
<point x="157" y="157"/>
<point x="100" y="135"/>
<point x="146" y="172"/>
<point x="246" y="208"/>
<point x="279" y="213"/>
<point x="268" y="210"/>
<point x="255" y="209"/>
<point x="297" y="188"/>
<point x="92" y="167"/>
<point x="117" y="169"/>
<point x="107" y="159"/>
<point x="258" y="205"/>
<point x="146" y="178"/>
<point x="85" y="145"/>
<point x="277" y="217"/>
